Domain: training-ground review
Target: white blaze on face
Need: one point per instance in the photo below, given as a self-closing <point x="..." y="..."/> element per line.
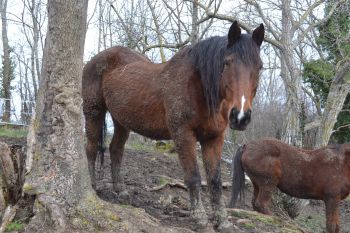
<point x="241" y="113"/>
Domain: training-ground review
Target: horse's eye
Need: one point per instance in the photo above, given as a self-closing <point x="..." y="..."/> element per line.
<point x="226" y="63"/>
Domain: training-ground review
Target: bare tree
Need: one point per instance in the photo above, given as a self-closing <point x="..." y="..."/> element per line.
<point x="339" y="89"/>
<point x="6" y="70"/>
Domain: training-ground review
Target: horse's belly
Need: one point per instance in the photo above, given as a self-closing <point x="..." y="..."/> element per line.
<point x="300" y="188"/>
<point x="137" y="106"/>
<point x="149" y="123"/>
<point x="153" y="133"/>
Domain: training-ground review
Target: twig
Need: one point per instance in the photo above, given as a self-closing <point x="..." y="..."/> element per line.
<point x="178" y="183"/>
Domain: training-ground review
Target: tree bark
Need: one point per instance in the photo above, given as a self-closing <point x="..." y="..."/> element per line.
<point x="338" y="91"/>
<point x="291" y="77"/>
<point x="194" y="32"/>
<point x="35" y="53"/>
<point x="59" y="176"/>
<point x="6" y="73"/>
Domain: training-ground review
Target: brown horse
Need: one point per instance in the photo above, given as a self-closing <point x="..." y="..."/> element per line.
<point x="190" y="98"/>
<point x="322" y="174"/>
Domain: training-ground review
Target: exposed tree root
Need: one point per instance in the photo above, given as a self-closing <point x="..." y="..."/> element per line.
<point x="9" y="214"/>
<point x="55" y="212"/>
<point x="94" y="215"/>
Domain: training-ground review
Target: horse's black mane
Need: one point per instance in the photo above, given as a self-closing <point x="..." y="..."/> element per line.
<point x="207" y="56"/>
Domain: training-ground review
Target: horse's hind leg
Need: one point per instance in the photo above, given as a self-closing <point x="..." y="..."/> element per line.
<point x="263" y="199"/>
<point x="332" y="215"/>
<point x="185" y="143"/>
<point x="93" y="128"/>
<point x="255" y="195"/>
<point x="116" y="150"/>
<point x="212" y="150"/>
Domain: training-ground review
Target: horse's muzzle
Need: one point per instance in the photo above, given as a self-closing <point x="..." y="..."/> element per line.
<point x="239" y="120"/>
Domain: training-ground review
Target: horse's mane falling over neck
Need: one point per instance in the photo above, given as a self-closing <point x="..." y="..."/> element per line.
<point x="207" y="57"/>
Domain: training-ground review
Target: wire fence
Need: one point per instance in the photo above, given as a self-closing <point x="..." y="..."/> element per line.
<point x="19" y="113"/>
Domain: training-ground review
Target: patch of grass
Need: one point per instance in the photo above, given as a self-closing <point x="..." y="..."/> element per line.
<point x="14" y="226"/>
<point x="265" y="220"/>
<point x="112" y="216"/>
<point x="162" y="181"/>
<point x="164" y="146"/>
<point x="13" y="133"/>
<point x="271" y="220"/>
<point x="249" y="225"/>
<point x="138" y="146"/>
<point x="288" y="230"/>
<point x="311" y="224"/>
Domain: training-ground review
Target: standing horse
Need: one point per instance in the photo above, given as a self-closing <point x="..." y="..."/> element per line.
<point x="190" y="98"/>
<point x="322" y="174"/>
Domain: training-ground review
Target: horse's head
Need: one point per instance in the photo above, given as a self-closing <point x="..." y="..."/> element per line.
<point x="240" y="76"/>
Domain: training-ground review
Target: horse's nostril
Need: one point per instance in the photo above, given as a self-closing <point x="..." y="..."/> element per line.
<point x="247" y="120"/>
<point x="234" y="115"/>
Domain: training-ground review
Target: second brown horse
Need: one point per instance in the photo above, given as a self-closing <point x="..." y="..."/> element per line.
<point x="322" y="174"/>
<point x="190" y="98"/>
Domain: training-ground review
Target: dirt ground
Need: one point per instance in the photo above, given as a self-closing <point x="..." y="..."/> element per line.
<point x="153" y="181"/>
<point x="144" y="172"/>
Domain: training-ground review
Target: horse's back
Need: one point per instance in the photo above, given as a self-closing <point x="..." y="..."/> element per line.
<point x="98" y="67"/>
<point x="261" y="157"/>
<point x="107" y="60"/>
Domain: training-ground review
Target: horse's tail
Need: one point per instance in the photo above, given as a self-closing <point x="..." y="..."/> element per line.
<point x="94" y="106"/>
<point x="238" y="177"/>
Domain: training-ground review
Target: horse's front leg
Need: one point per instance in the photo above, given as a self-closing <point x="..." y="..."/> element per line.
<point x="212" y="150"/>
<point x="332" y="214"/>
<point x="185" y="143"/>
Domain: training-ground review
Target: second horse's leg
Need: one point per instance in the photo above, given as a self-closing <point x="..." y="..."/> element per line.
<point x="332" y="214"/>
<point x="263" y="199"/>
<point x="255" y="195"/>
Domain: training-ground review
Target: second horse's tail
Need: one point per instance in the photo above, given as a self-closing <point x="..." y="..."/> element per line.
<point x="238" y="177"/>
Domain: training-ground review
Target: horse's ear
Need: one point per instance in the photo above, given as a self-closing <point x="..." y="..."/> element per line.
<point x="258" y="34"/>
<point x="234" y="33"/>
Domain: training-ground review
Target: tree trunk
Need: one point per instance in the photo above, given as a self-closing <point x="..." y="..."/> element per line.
<point x="6" y="73"/>
<point x="194" y="32"/>
<point x="158" y="32"/>
<point x="59" y="175"/>
<point x="338" y="91"/>
<point x="291" y="77"/>
<point x="35" y="53"/>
